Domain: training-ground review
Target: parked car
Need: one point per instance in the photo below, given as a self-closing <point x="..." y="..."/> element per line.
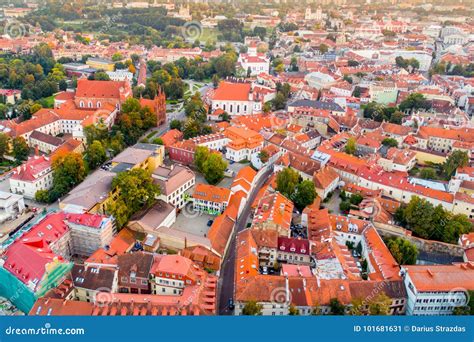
<point x="230" y="304"/>
<point x="209" y="223"/>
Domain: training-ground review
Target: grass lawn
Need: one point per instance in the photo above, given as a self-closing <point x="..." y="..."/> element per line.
<point x="209" y="34"/>
<point x="47" y="102"/>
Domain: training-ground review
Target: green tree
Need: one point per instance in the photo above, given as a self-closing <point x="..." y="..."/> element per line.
<point x="469" y="308"/>
<point x="287" y="180"/>
<point x="225" y="117"/>
<point x="345" y="206"/>
<point x="136" y="191"/>
<point x="95" y="155"/>
<point x="397" y="117"/>
<point x="200" y="156"/>
<point x="263" y="155"/>
<point x="323" y="48"/>
<point x="42" y="196"/>
<point x="68" y="171"/>
<point x="404" y="252"/>
<point x="20" y="149"/>
<point x="455" y="160"/>
<point x="336" y="307"/>
<point x="414" y="101"/>
<point x="4" y="145"/>
<point x="158" y="141"/>
<point x="101" y="76"/>
<point x="252" y="308"/>
<point x="293" y="311"/>
<point x="176" y="124"/>
<point x="351" y="146"/>
<point x="213" y="168"/>
<point x="195" y="109"/>
<point x="356" y="199"/>
<point x="391" y="142"/>
<point x="380" y="305"/>
<point x="304" y="195"/>
<point x="428" y="173"/>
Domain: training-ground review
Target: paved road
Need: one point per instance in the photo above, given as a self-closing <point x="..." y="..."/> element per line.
<point x="226" y="281"/>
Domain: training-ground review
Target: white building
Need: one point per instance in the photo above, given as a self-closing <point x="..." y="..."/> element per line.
<point x="33" y="175"/>
<point x="174" y="182"/>
<point x="437" y="289"/>
<point x="319" y="80"/>
<point x="10" y="205"/>
<point x="254" y="62"/>
<point x="120" y="75"/>
<point x="235" y="99"/>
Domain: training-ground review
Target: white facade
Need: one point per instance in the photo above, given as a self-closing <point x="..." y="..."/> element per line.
<point x="28" y="188"/>
<point x="120" y="75"/>
<point x="433" y="303"/>
<point x="10" y="205"/>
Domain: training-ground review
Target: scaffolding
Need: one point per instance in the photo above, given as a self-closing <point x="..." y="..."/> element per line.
<point x="21" y="295"/>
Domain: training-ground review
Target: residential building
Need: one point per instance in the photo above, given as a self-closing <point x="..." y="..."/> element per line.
<point x="210" y="199"/>
<point x="437" y="289"/>
<point x="243" y="143"/>
<point x="33" y="175"/>
<point x="90" y="281"/>
<point x="174" y="182"/>
<point x="325" y="181"/>
<point x="274" y="212"/>
<point x="134" y="272"/>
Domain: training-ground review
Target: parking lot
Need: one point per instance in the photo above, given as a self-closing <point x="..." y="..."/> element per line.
<point x="192" y="222"/>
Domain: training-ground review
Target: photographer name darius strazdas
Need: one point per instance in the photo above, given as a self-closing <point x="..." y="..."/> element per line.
<point x="438" y="328"/>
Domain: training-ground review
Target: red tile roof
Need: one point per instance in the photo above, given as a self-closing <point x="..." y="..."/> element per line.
<point x="30" y="170"/>
<point x="228" y="91"/>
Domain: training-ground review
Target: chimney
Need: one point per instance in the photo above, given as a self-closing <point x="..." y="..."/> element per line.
<point x="36" y="150"/>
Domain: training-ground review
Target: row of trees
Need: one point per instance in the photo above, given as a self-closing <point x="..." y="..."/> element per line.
<point x="430" y="222"/>
<point x="301" y="192"/>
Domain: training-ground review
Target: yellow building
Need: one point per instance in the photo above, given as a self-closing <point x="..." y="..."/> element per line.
<point x="101" y="64"/>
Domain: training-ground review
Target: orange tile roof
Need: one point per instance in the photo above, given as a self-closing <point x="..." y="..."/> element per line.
<point x="274" y="208"/>
<point x="325" y="177"/>
<point x="441" y="277"/>
<point x="465" y="134"/>
<point x="228" y="91"/>
<point x="211" y="193"/>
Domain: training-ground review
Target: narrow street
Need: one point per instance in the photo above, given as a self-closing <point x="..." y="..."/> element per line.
<point x="226" y="281"/>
